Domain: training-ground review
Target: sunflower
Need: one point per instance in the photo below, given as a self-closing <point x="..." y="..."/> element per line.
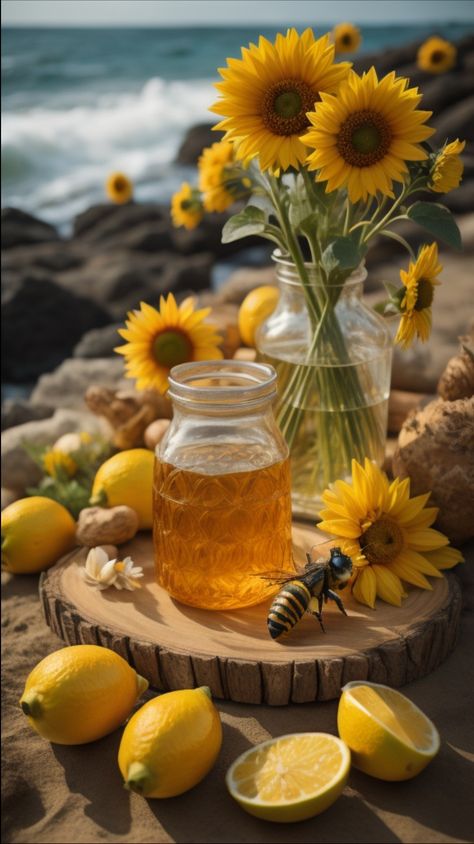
<point x="416" y="296"/>
<point x="448" y="168"/>
<point x="387" y="534"/>
<point x="265" y="95"/>
<point x="186" y="207"/>
<point x="217" y="176"/>
<point x="436" y="55"/>
<point x="363" y="138"/>
<point x="346" y="38"/>
<point x="159" y="340"/>
<point x="57" y="463"/>
<point x="119" y="188"/>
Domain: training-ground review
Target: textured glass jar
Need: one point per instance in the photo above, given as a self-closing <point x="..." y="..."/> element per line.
<point x="222" y="497"/>
<point x="333" y="358"/>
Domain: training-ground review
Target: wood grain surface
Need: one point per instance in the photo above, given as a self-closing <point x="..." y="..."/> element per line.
<point x="175" y="646"/>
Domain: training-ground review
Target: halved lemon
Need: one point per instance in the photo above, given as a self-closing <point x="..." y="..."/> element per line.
<point x="389" y="737"/>
<point x="290" y="778"/>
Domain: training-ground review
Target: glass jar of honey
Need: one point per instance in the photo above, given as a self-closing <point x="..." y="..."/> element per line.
<point x="221" y="498"/>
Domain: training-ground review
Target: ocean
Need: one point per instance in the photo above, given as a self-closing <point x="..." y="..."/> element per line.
<point x="80" y="103"/>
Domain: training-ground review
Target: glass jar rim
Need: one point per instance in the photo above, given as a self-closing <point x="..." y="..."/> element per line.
<point x="255" y="385"/>
<point x="290" y="272"/>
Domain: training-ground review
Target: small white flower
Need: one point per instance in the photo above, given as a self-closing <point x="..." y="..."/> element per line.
<point x="100" y="572"/>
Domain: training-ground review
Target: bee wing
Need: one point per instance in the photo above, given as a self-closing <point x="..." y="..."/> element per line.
<point x="278" y="576"/>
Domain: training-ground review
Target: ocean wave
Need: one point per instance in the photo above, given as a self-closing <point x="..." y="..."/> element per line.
<point x="52" y="156"/>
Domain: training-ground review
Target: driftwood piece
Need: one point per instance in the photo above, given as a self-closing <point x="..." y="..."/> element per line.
<point x="176" y="646"/>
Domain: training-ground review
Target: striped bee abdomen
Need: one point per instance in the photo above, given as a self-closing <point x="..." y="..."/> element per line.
<point x="287" y="608"/>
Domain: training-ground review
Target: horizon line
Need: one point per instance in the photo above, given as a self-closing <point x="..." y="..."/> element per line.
<point x="229" y="25"/>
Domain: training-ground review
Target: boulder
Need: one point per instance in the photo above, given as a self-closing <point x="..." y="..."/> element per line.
<point x="18" y="411"/>
<point x="66" y="386"/>
<point x="41" y="324"/>
<point x="196" y="139"/>
<point x="102" y="222"/>
<point x="445" y="91"/>
<point x="455" y="122"/>
<point x="20" y="228"/>
<point x="99" y="343"/>
<point x="54" y="256"/>
<point x="242" y="281"/>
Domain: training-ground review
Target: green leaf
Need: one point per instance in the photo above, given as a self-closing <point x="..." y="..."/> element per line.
<point x="250" y="221"/>
<point x="343" y="253"/>
<point x="437" y="220"/>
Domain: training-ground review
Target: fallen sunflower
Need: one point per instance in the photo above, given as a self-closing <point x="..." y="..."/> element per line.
<point x="346" y="38"/>
<point x="119" y="188"/>
<point x="416" y="296"/>
<point x="387" y="534"/>
<point x="436" y="55"/>
<point x="157" y="340"/>
<point x="58" y="463"/>
<point x="186" y="207"/>
<point x="216" y="180"/>
<point x="448" y="168"/>
<point x="266" y="94"/>
<point x="363" y="138"/>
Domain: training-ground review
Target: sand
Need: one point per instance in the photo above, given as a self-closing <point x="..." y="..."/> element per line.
<point x="75" y="794"/>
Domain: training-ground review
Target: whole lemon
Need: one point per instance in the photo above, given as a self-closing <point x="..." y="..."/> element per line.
<point x="256" y="307"/>
<point x="80" y="693"/>
<point x="36" y="531"/>
<point x="171" y="743"/>
<point x="127" y="478"/>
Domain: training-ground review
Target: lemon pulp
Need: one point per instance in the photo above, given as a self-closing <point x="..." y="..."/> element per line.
<point x="397" y="714"/>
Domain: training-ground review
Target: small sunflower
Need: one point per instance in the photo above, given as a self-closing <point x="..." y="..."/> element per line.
<point x="436" y="55"/>
<point x="387" y="534"/>
<point x="217" y="180"/>
<point x="416" y="296"/>
<point x="363" y="137"/>
<point x="266" y="94"/>
<point x="57" y="463"/>
<point x="448" y="168"/>
<point x="346" y="37"/>
<point x="119" y="188"/>
<point x="186" y="207"/>
<point x="157" y="340"/>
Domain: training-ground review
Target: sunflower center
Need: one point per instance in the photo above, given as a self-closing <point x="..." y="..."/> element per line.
<point x="172" y="347"/>
<point x="424" y="294"/>
<point x="364" y="138"/>
<point x="285" y="105"/>
<point x="346" y="39"/>
<point x="119" y="183"/>
<point x="437" y="56"/>
<point x="382" y="541"/>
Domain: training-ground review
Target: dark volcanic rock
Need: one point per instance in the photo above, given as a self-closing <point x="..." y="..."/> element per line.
<point x="456" y="122"/>
<point x="57" y="255"/>
<point x="41" y="324"/>
<point x="20" y="228"/>
<point x="197" y="137"/>
<point x="445" y="91"/>
<point x="18" y="411"/>
<point x="100" y="342"/>
<point x="103" y="223"/>
<point x="461" y="200"/>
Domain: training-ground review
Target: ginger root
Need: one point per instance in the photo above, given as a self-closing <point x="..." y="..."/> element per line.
<point x="128" y="412"/>
<point x="457" y="380"/>
<point x="106" y="526"/>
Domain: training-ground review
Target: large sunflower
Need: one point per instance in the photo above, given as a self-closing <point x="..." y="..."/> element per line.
<point x="346" y="38"/>
<point x="416" y="296"/>
<point x="216" y="177"/>
<point x="159" y="340"/>
<point x="448" y="168"/>
<point x="387" y="534"/>
<point x="363" y="137"/>
<point x="436" y="55"/>
<point x="186" y="207"/>
<point x="265" y="95"/>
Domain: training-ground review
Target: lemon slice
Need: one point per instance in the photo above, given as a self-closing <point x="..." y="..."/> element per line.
<point x="389" y="737"/>
<point x="290" y="778"/>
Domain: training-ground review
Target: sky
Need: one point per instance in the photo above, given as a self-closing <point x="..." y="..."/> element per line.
<point x="228" y="12"/>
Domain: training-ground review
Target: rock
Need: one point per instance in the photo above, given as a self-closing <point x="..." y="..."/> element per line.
<point x="19" y="471"/>
<point x="435" y="451"/>
<point x="455" y="122"/>
<point x="8" y="497"/>
<point x="41" y="324"/>
<point x="155" y="432"/>
<point x="242" y="281"/>
<point x="196" y="139"/>
<point x="111" y="526"/>
<point x="461" y="200"/>
<point x="55" y="256"/>
<point x="20" y="228"/>
<point x="67" y="385"/>
<point x="18" y="411"/>
<point x="99" y="343"/>
<point x="101" y="223"/>
<point x="445" y="91"/>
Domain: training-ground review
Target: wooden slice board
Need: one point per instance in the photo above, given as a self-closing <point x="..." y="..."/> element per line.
<point x="176" y="646"/>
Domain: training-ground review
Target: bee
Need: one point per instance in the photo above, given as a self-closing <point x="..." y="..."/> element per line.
<point x="306" y="592"/>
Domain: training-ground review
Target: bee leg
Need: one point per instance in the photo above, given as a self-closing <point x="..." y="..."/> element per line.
<point x="315" y="602"/>
<point x="337" y="601"/>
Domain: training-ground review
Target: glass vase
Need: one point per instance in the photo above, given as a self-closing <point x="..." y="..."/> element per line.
<point x="333" y="358"/>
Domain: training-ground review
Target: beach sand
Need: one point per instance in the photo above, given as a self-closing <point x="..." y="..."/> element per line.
<point x="62" y="794"/>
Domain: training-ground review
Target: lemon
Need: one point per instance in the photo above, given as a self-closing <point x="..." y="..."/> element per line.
<point x="256" y="307"/>
<point x="80" y="693"/>
<point x="290" y="778"/>
<point x="127" y="478"/>
<point x="389" y="737"/>
<point x="171" y="743"/>
<point x="36" y="531"/>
